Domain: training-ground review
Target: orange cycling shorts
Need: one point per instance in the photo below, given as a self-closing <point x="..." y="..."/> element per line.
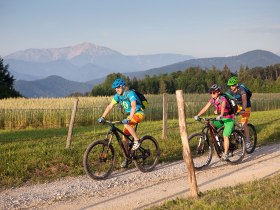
<point x="137" y="118"/>
<point x="245" y="116"/>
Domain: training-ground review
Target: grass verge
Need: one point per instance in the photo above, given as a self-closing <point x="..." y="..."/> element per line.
<point x="259" y="194"/>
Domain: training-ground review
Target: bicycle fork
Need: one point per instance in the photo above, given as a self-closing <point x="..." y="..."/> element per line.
<point x="200" y="145"/>
<point x="105" y="149"/>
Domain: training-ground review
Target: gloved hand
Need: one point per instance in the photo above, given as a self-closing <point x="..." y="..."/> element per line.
<point x="125" y="121"/>
<point x="197" y="118"/>
<point x="219" y="117"/>
<point x="101" y="119"/>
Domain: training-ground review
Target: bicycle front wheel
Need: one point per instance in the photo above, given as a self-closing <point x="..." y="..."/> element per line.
<point x="236" y="147"/>
<point x="99" y="159"/>
<point x="147" y="156"/>
<point x="201" y="150"/>
<point x="253" y="138"/>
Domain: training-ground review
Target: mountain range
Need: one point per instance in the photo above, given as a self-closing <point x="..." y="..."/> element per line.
<point x="82" y="62"/>
<point x="251" y="59"/>
<point x="59" y="72"/>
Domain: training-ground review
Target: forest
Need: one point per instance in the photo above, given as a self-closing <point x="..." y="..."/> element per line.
<point x="197" y="80"/>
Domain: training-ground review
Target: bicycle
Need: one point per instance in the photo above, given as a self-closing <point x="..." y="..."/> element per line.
<point x="202" y="144"/>
<point x="100" y="157"/>
<point x="252" y="135"/>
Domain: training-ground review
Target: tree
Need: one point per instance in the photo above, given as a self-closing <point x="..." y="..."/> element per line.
<point x="162" y="86"/>
<point x="105" y="89"/>
<point x="6" y="82"/>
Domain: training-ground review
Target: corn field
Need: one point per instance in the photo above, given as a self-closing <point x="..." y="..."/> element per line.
<point x="25" y="113"/>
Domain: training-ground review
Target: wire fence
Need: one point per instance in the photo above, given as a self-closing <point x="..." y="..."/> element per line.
<point x="60" y="118"/>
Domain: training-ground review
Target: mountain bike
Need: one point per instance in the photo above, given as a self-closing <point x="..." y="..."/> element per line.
<point x="100" y="157"/>
<point x="203" y="143"/>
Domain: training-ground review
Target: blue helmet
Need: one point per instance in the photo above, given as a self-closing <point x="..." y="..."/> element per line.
<point x="118" y="82"/>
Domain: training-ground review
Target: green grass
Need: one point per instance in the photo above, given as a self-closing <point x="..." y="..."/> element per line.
<point x="261" y="194"/>
<point x="39" y="155"/>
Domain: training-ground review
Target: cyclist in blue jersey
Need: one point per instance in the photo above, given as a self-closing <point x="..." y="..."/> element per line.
<point x="244" y="104"/>
<point x="132" y="106"/>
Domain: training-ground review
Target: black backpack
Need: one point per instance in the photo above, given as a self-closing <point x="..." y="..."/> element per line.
<point x="142" y="98"/>
<point x="232" y="103"/>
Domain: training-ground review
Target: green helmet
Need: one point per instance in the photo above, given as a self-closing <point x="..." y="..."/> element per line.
<point x="232" y="81"/>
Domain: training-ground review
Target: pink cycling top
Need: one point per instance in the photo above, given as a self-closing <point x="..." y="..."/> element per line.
<point x="218" y="105"/>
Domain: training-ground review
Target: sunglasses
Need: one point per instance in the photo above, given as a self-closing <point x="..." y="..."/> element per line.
<point x="213" y="92"/>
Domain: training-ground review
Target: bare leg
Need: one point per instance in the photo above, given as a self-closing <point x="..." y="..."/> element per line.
<point x="226" y="144"/>
<point x="132" y="132"/>
<point x="246" y="130"/>
<point x="136" y="143"/>
<point x="125" y="143"/>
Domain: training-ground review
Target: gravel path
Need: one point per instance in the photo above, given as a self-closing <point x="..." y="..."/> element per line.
<point x="131" y="189"/>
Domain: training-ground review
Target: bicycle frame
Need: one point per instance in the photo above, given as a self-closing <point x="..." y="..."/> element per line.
<point x="213" y="132"/>
<point x="116" y="131"/>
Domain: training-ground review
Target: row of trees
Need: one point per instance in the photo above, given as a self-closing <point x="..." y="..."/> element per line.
<point x="6" y="82"/>
<point x="198" y="80"/>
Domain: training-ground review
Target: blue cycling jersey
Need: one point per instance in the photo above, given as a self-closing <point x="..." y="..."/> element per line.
<point x="238" y="95"/>
<point x="126" y="99"/>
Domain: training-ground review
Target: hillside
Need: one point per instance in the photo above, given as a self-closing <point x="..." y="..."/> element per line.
<point x="53" y="86"/>
<point x="251" y="59"/>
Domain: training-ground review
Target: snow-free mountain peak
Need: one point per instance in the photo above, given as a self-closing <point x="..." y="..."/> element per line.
<point x="85" y="49"/>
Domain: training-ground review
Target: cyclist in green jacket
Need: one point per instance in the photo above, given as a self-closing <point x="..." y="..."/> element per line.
<point x="243" y="102"/>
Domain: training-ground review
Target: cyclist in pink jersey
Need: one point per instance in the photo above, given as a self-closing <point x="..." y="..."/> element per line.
<point x="225" y="117"/>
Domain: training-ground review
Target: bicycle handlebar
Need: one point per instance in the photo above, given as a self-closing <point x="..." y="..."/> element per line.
<point x="111" y="122"/>
<point x="206" y="119"/>
<point x="211" y="119"/>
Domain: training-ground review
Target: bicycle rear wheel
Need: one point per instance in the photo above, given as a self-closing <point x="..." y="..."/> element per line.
<point x="253" y="138"/>
<point x="201" y="150"/>
<point x="147" y="156"/>
<point x="236" y="147"/>
<point x="99" y="159"/>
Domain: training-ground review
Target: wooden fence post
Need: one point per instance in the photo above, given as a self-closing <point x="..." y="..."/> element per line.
<point x="164" y="115"/>
<point x="185" y="142"/>
<point x="71" y="125"/>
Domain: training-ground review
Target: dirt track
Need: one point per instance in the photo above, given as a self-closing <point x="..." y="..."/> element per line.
<point x="132" y="189"/>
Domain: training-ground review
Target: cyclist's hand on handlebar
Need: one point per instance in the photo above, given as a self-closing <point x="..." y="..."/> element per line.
<point x="101" y="119"/>
<point x="125" y="121"/>
<point x="197" y="118"/>
<point x="219" y="117"/>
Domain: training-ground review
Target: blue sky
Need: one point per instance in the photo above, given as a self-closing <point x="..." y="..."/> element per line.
<point x="201" y="28"/>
